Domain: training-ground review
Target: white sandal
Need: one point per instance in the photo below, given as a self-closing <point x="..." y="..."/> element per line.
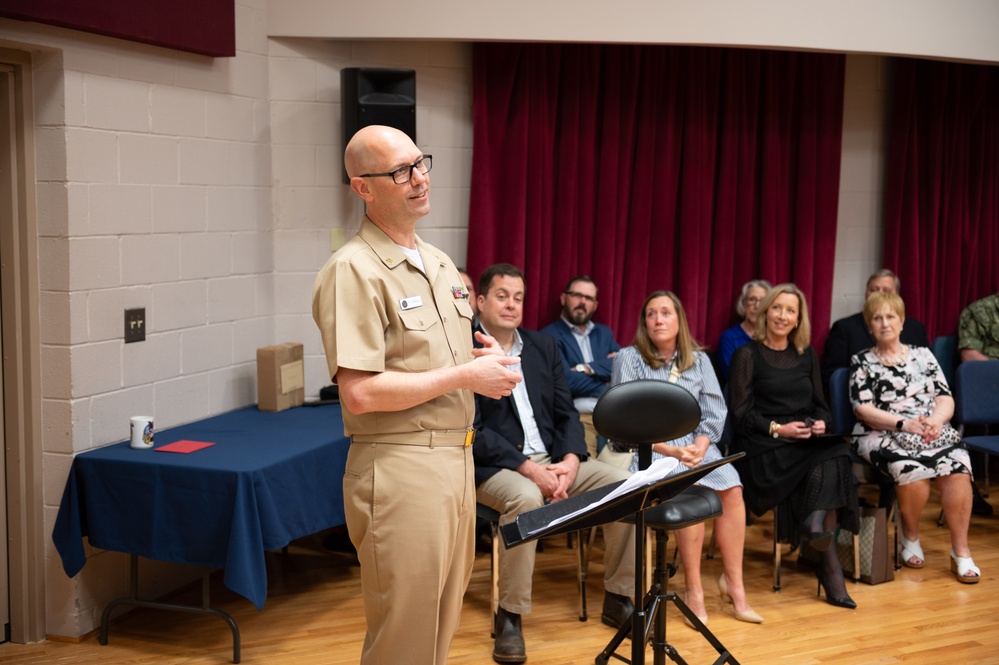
<point x="910" y="550"/>
<point x="961" y="566"/>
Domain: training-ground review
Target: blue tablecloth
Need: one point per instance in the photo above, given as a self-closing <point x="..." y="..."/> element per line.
<point x="269" y="478"/>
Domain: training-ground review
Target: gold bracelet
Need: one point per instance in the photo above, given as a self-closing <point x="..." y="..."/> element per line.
<point x="774" y="428"/>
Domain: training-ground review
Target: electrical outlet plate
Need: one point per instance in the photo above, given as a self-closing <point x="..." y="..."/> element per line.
<point x="135" y="325"/>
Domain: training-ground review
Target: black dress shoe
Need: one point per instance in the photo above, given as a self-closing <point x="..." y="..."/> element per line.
<point x="509" y="645"/>
<point x="617" y="610"/>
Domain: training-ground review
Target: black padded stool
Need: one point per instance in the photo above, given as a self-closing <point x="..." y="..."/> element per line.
<point x="695" y="505"/>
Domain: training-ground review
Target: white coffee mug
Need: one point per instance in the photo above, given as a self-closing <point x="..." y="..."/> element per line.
<point x="142" y="432"/>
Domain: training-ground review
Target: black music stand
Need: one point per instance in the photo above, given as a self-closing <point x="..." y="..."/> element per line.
<point x="640" y="414"/>
<point x="533" y="524"/>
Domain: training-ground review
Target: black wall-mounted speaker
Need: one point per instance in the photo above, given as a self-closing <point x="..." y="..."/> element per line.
<point x="377" y="96"/>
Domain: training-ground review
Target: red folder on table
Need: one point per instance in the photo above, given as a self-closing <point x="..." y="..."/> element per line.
<point x="183" y="446"/>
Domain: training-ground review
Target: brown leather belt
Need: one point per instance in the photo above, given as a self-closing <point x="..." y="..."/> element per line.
<point x="431" y="438"/>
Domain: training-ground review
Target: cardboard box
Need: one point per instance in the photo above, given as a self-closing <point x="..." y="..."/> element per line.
<point x="280" y="376"/>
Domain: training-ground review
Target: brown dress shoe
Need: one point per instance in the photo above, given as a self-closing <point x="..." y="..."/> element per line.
<point x="509" y="645"/>
<point x="617" y="610"/>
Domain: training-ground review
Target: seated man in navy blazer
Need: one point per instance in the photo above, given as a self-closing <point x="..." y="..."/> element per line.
<point x="529" y="450"/>
<point x="587" y="349"/>
<point x="850" y="335"/>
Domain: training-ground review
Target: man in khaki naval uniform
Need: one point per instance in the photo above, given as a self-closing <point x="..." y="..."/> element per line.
<point x="396" y="325"/>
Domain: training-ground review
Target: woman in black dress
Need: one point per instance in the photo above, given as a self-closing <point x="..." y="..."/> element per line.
<point x="775" y="389"/>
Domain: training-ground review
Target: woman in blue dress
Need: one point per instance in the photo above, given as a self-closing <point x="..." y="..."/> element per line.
<point x="664" y="349"/>
<point x="747" y="306"/>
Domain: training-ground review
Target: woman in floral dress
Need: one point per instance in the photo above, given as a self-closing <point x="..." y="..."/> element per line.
<point x="904" y="406"/>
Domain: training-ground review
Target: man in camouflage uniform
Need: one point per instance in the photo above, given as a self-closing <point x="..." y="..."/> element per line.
<point x="978" y="330"/>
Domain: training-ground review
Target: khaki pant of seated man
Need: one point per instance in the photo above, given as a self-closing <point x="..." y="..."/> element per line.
<point x="589" y="433"/>
<point x="510" y="494"/>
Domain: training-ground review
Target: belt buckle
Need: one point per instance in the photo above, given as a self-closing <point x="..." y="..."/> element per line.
<point x="469" y="437"/>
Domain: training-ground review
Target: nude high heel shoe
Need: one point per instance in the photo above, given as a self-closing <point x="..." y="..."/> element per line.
<point x="749" y="616"/>
<point x="689" y="623"/>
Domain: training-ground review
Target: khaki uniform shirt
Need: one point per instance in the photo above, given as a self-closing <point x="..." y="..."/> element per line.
<point x="379" y="313"/>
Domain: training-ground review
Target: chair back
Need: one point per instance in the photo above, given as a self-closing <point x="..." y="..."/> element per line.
<point x="843" y="418"/>
<point x="727" y="441"/>
<point x="976" y="392"/>
<point x="945" y="350"/>
<point x="646" y="411"/>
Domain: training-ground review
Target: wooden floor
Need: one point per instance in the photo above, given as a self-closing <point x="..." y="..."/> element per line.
<point x="313" y="615"/>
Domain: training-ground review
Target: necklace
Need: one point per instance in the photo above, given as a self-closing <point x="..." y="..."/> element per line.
<point x="894" y="361"/>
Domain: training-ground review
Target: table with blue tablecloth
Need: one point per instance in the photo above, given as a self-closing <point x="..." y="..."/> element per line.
<point x="268" y="479"/>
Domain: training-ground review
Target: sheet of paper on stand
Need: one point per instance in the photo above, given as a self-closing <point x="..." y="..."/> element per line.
<point x="656" y="471"/>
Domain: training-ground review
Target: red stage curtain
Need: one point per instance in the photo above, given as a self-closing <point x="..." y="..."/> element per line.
<point x="942" y="194"/>
<point x="649" y="167"/>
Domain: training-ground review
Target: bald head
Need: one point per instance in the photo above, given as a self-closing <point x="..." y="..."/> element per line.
<point x="371" y="146"/>
<point x="376" y="151"/>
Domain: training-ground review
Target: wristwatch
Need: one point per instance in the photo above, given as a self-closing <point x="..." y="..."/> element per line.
<point x="581" y="367"/>
<point x="899" y="425"/>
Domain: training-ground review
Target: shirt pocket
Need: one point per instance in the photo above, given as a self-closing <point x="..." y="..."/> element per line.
<point x="464" y="309"/>
<point x="423" y="343"/>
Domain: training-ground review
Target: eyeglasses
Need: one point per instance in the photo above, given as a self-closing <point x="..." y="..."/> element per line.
<point x="404" y="174"/>
<point x="753" y="301"/>
<point x="576" y="294"/>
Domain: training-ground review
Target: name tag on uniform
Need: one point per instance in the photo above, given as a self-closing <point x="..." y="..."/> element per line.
<point x="412" y="302"/>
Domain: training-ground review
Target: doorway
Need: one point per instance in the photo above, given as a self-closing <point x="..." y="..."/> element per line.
<point x="22" y="543"/>
<point x="8" y="199"/>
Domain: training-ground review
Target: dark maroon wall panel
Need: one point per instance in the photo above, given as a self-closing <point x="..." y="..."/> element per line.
<point x="207" y="27"/>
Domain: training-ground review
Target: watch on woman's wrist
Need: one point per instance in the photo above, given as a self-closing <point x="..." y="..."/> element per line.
<point x="899" y="425"/>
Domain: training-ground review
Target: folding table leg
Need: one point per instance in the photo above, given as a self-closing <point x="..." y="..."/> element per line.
<point x="134" y="600"/>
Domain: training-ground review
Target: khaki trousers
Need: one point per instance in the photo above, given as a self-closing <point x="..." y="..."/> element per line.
<point x="614" y="458"/>
<point x="411" y="515"/>
<point x="510" y="494"/>
<point x="589" y="433"/>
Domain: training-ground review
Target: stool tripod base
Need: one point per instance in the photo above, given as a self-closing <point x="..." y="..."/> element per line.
<point x="662" y="648"/>
<point x="651" y="619"/>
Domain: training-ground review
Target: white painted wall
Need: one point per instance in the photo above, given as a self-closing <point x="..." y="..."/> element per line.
<point x="960" y="29"/>
<point x="859" y="226"/>
<point x="205" y="190"/>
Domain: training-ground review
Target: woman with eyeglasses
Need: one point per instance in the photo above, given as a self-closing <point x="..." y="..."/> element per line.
<point x="664" y="349"/>
<point x="775" y="390"/>
<point x="746" y="306"/>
